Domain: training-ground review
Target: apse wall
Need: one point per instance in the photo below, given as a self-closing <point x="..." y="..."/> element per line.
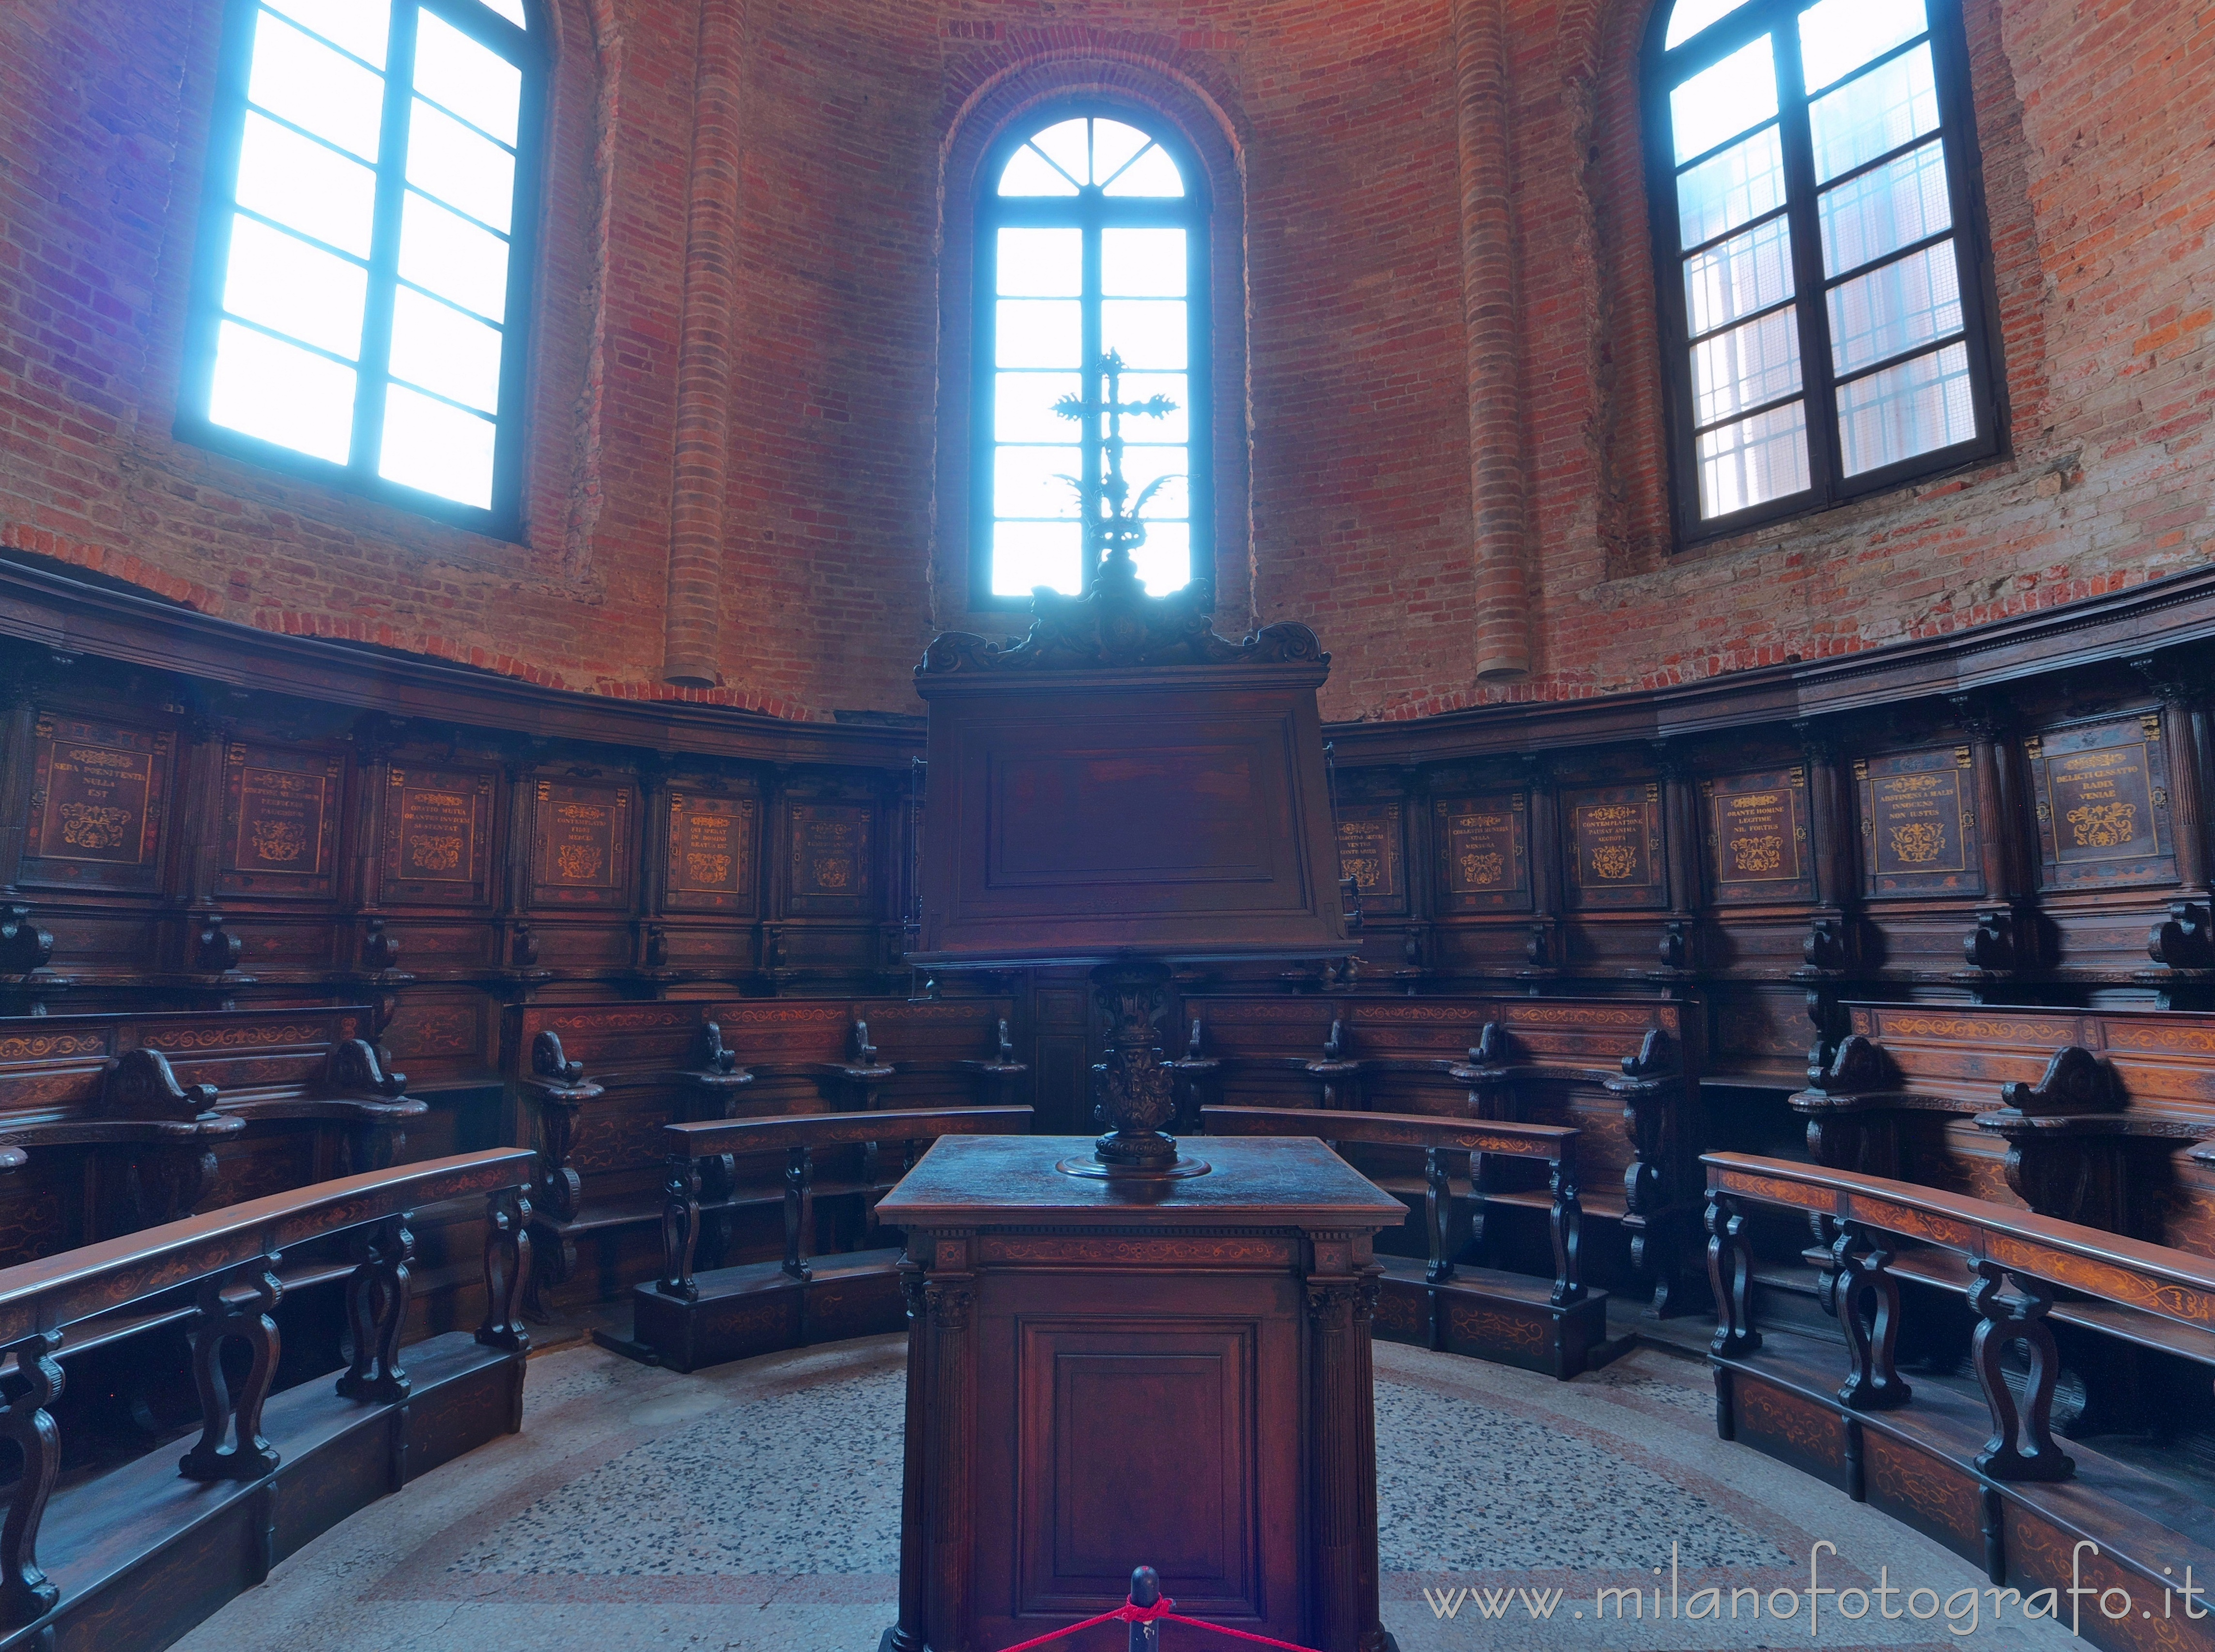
<point x="737" y="355"/>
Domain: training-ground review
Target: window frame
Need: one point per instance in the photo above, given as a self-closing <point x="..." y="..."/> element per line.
<point x="1193" y="212"/>
<point x="530" y="48"/>
<point x="1661" y="70"/>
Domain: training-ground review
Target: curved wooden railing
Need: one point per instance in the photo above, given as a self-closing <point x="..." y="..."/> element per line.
<point x="2016" y="1263"/>
<point x="231" y="1257"/>
<point x="701" y="1176"/>
<point x="1443" y="1141"/>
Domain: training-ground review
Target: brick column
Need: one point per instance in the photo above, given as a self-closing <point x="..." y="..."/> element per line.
<point x="1495" y="388"/>
<point x="706" y="348"/>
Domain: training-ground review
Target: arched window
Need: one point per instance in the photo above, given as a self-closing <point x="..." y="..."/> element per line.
<point x="1092" y="353"/>
<point x="362" y="274"/>
<point x="1823" y="264"/>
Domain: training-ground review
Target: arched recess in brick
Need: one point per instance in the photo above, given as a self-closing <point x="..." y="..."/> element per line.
<point x="989" y="104"/>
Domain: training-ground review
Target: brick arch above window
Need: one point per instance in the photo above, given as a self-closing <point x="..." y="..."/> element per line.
<point x="998" y="99"/>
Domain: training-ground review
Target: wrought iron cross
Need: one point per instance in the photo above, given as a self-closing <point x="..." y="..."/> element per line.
<point x="1112" y="535"/>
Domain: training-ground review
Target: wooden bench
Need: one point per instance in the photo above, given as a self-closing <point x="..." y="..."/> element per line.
<point x="1442" y="1301"/>
<point x="688" y="1318"/>
<point x="598" y="1084"/>
<point x="1979" y="1467"/>
<point x="2093" y="1116"/>
<point x="178" y="1109"/>
<point x="1611" y="1068"/>
<point x="139" y="1552"/>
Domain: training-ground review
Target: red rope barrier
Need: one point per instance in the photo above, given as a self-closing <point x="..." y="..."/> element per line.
<point x="1130" y="1612"/>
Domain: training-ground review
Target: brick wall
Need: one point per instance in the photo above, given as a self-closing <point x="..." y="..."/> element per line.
<point x="837" y="557"/>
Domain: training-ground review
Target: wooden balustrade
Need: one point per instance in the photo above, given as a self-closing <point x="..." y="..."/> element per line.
<point x="144" y="1550"/>
<point x="1444" y="1301"/>
<point x="688" y="1318"/>
<point x="1991" y="1480"/>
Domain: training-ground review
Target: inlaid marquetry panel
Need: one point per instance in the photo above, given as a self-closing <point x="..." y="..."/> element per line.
<point x="1484" y="851"/>
<point x="1918" y="823"/>
<point x="2102" y="799"/>
<point x="437" y="833"/>
<point x="1372" y="850"/>
<point x="1615" y="852"/>
<point x="712" y="849"/>
<point x="99" y="802"/>
<point x="582" y="848"/>
<point x="1758" y="843"/>
<point x="281" y="825"/>
<point x="828" y="856"/>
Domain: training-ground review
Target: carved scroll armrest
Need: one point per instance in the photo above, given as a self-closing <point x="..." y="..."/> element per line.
<point x="2076" y="1081"/>
<point x="1655" y="1057"/>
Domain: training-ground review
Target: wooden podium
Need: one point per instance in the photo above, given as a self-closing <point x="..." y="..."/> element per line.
<point x="1104" y="1373"/>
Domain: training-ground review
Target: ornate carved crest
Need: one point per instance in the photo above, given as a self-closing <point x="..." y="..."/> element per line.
<point x="1117" y="624"/>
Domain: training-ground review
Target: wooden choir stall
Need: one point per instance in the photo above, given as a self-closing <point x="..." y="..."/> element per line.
<point x="1120" y="1354"/>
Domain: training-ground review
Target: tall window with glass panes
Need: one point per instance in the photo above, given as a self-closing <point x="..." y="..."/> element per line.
<point x="1822" y="267"/>
<point x="358" y="304"/>
<point x="1092" y="334"/>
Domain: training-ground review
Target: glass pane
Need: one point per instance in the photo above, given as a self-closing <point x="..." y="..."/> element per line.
<point x="438" y="448"/>
<point x="1915" y="407"/>
<point x="1754" y="461"/>
<point x="1142" y="466"/>
<point x="511" y="10"/>
<point x="1142" y="263"/>
<point x="1911" y="301"/>
<point x="1151" y="173"/>
<point x="1691" y="17"/>
<point x="473" y="81"/>
<point x="1023" y="406"/>
<point x="1039" y="333"/>
<point x="1067" y="144"/>
<point x="282" y="393"/>
<point x="1875" y="114"/>
<point x="1165" y="560"/>
<point x="315" y="88"/>
<point x="285" y="284"/>
<point x="1743" y="182"/>
<point x="1885" y="209"/>
<point x="1028" y="173"/>
<point x="1029" y="553"/>
<point x="1746" y="366"/>
<point x="1114" y="146"/>
<point x="1147" y="333"/>
<point x="359" y="26"/>
<point x="1175" y="426"/>
<point x="460" y="166"/>
<point x="317" y="191"/>
<point x="451" y="256"/>
<point x="1724" y="100"/>
<point x="1037" y="481"/>
<point x="1042" y="263"/>
<point x="435" y="345"/>
<point x="1736" y="277"/>
<point x="1838" y="36"/>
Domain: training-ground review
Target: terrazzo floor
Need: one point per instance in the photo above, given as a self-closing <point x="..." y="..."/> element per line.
<point x="755" y="1508"/>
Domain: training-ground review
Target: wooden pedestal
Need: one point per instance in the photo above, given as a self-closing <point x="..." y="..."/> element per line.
<point x="1104" y="1374"/>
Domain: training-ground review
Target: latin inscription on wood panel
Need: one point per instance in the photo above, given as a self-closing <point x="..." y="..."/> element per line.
<point x="437" y="829"/>
<point x="1485" y="844"/>
<point x="1371" y="852"/>
<point x="99" y="801"/>
<point x="2102" y="792"/>
<point x="1615" y="846"/>
<point x="1919" y="823"/>
<point x="829" y="852"/>
<point x="1757" y="835"/>
<point x="580" y="850"/>
<point x="280" y="820"/>
<point x="711" y="852"/>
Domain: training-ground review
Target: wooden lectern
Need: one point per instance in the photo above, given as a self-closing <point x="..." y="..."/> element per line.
<point x="1132" y="1356"/>
<point x="1109" y="1373"/>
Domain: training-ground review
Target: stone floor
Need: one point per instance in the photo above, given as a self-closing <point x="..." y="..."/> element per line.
<point x="755" y="1508"/>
